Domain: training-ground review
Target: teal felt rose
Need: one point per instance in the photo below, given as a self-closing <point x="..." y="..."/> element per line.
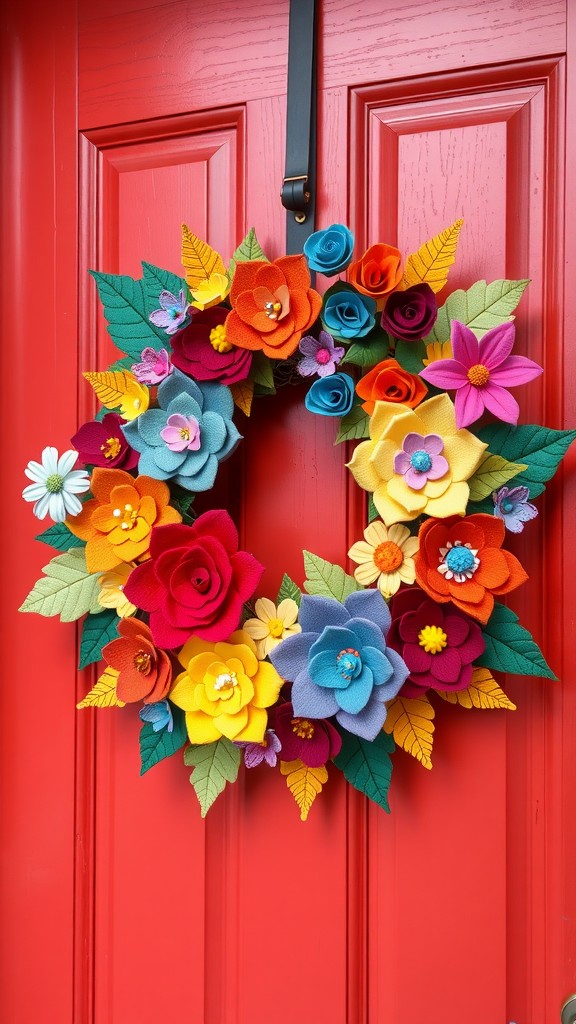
<point x="348" y="314"/>
<point x="331" y="396"/>
<point x="329" y="251"/>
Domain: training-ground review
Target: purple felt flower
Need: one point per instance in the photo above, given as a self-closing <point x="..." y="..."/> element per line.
<point x="512" y="505"/>
<point x="102" y="443"/>
<point x="154" y="368"/>
<point x="421" y="460"/>
<point x="310" y="740"/>
<point x="172" y="314"/>
<point x="321" y="356"/>
<point x="268" y="750"/>
<point x="480" y="372"/>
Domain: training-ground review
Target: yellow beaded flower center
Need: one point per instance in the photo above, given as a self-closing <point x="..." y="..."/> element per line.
<point x="388" y="556"/>
<point x="276" y="628"/>
<point x="142" y="662"/>
<point x="111" y="448"/>
<point x="479" y="375"/>
<point x="303" y="728"/>
<point x="218" y="339"/>
<point x="433" y="639"/>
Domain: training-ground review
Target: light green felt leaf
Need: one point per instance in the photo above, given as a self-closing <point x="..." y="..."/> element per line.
<point x="59" y="536"/>
<point x="249" y="249"/>
<point x="289" y="589"/>
<point x="97" y="631"/>
<point x="327" y="580"/>
<point x="540" y="448"/>
<point x="481" y="307"/>
<point x="410" y="355"/>
<point x="492" y="473"/>
<point x="353" y="425"/>
<point x="127" y="305"/>
<point x="367" y="766"/>
<point x="262" y="373"/>
<point x="155" y="746"/>
<point x="510" y="647"/>
<point x="215" y="764"/>
<point x="368" y="351"/>
<point x="67" y="589"/>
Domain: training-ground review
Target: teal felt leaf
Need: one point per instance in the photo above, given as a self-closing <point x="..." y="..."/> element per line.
<point x="510" y="647"/>
<point x="262" y="374"/>
<point x="249" y="249"/>
<point x="289" y="589"/>
<point x="481" y="307"/>
<point x="373" y="512"/>
<point x="155" y="746"/>
<point x="327" y="580"/>
<point x="67" y="589"/>
<point x="368" y="351"/>
<point x="97" y="631"/>
<point x="215" y="764"/>
<point x="410" y="355"/>
<point x="59" y="536"/>
<point x="157" y="280"/>
<point x="367" y="766"/>
<point x="540" y="448"/>
<point x="353" y="425"/>
<point x="127" y="305"/>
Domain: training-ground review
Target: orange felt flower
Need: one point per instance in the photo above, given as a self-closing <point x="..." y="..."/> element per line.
<point x="378" y="272"/>
<point x="388" y="382"/>
<point x="116" y="523"/>
<point x="144" y="672"/>
<point x="460" y="560"/>
<point x="272" y="305"/>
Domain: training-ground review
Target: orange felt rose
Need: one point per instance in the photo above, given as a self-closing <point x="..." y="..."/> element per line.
<point x="145" y="673"/>
<point x="378" y="272"/>
<point x="272" y="305"/>
<point x="116" y="523"/>
<point x="388" y="382"/>
<point x="461" y="560"/>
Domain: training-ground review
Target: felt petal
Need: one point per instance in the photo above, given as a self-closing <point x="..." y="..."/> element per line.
<point x="323" y="671"/>
<point x="317" y="612"/>
<point x="357" y="694"/>
<point x="493" y="569"/>
<point x="452" y="502"/>
<point x="201" y="727"/>
<point x="469" y="403"/>
<point x="496" y="345"/>
<point x="405" y="497"/>
<point x="464" y="344"/>
<point x="361" y="466"/>
<point x="515" y="370"/>
<point x="457" y="629"/>
<point x="437" y="416"/>
<point x="213" y="432"/>
<point x="399" y="675"/>
<point x="312" y="701"/>
<point x="147" y="465"/>
<point x="446" y="666"/>
<point x="367" y="604"/>
<point x="448" y="374"/>
<point x="415" y="481"/>
<point x="464" y="452"/>
<point x="177" y="383"/>
<point x="516" y="575"/>
<point x="387" y="460"/>
<point x="290" y="658"/>
<point x="368" y="723"/>
<point x="501" y="403"/>
<point x="149" y="425"/>
<point x="417" y="658"/>
<point x="366" y="573"/>
<point x="439" y="467"/>
<point x="218" y="399"/>
<point x="378" y="664"/>
<point x="376" y="533"/>
<point x="66" y="461"/>
<point x="168" y="460"/>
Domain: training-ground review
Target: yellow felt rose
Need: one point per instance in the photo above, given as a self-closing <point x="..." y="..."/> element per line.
<point x="417" y="461"/>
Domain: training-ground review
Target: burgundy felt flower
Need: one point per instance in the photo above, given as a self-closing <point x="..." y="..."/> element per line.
<point x="195" y="582"/>
<point x="202" y="351"/>
<point x="411" y="314"/>
<point x="103" y="444"/>
<point x="310" y="740"/>
<point x="438" y="643"/>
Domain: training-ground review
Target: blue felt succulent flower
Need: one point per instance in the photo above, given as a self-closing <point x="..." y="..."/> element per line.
<point x="329" y="251"/>
<point x="331" y="396"/>
<point x="347" y="314"/>
<point x="340" y="664"/>
<point x="159" y="715"/>
<point x="188" y="436"/>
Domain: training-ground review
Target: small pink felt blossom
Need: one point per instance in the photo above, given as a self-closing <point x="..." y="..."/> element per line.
<point x="172" y="314"/>
<point x="421" y="460"/>
<point x="480" y="372"/>
<point x="154" y="368"/>
<point x="268" y="750"/>
<point x="321" y="356"/>
<point x="181" y="433"/>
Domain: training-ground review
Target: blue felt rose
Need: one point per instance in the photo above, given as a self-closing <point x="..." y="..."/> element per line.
<point x="188" y="436"/>
<point x="329" y="251"/>
<point x="348" y="314"/>
<point x="339" y="664"/>
<point x="331" y="396"/>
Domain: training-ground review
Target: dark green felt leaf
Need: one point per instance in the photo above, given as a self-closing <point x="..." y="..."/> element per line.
<point x="262" y="373"/>
<point x="59" y="536"/>
<point x="367" y="766"/>
<point x="373" y="512"/>
<point x="182" y="501"/>
<point x="410" y="355"/>
<point x="155" y="746"/>
<point x="157" y="280"/>
<point x="97" y="631"/>
<point x="510" y="647"/>
<point x="540" y="448"/>
<point x="368" y="351"/>
<point x="289" y="589"/>
<point x="353" y="425"/>
<point x="127" y="305"/>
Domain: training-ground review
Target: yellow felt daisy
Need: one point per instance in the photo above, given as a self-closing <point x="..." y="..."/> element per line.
<point x="272" y="624"/>
<point x="385" y="555"/>
<point x="112" y="590"/>
<point x="437" y="350"/>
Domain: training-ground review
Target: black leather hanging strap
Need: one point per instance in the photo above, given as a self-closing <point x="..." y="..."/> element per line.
<point x="298" y="188"/>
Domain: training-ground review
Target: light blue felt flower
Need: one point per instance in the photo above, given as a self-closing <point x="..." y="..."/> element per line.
<point x="348" y="314"/>
<point x="159" y="715"/>
<point x="209" y="407"/>
<point x="329" y="251"/>
<point x="339" y="664"/>
<point x="331" y="396"/>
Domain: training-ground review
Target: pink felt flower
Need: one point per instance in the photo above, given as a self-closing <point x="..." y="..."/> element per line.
<point x="181" y="433"/>
<point x="480" y="372"/>
<point x="154" y="368"/>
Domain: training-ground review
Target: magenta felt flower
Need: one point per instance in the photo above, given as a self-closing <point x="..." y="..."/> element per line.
<point x="310" y="740"/>
<point x="421" y="460"/>
<point x="480" y="373"/>
<point x="102" y="443"/>
<point x="321" y="355"/>
<point x="155" y="366"/>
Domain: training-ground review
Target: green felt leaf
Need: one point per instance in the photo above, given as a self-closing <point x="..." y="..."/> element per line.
<point x="492" y="473"/>
<point x="155" y="746"/>
<point x="127" y="305"/>
<point x="510" y="647"/>
<point x="215" y="764"/>
<point x="540" y="448"/>
<point x="289" y="589"/>
<point x="157" y="280"/>
<point x="368" y="351"/>
<point x="249" y="249"/>
<point x="182" y="501"/>
<point x="353" y="425"/>
<point x="373" y="512"/>
<point x="410" y="355"/>
<point x="59" y="536"/>
<point x="481" y="307"/>
<point x="262" y="373"/>
<point x="327" y="580"/>
<point x="67" y="589"/>
<point x="367" y="766"/>
<point x="97" y="631"/>
<point x="126" y="363"/>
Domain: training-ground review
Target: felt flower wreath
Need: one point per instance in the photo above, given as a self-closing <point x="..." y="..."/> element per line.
<point x="169" y="599"/>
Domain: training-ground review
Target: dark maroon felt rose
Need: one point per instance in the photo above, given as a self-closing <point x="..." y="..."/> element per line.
<point x="437" y="642"/>
<point x="410" y="315"/>
<point x="310" y="740"/>
<point x="103" y="444"/>
<point x="196" y="349"/>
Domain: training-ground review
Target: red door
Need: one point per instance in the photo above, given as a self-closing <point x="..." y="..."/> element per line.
<point x="120" y="905"/>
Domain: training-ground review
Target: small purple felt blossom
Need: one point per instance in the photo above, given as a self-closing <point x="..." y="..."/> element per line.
<point x="512" y="505"/>
<point x="321" y="356"/>
<point x="268" y="750"/>
<point x="181" y="433"/>
<point x="172" y="314"/>
<point x="421" y="460"/>
<point x="480" y="372"/>
<point x="154" y="368"/>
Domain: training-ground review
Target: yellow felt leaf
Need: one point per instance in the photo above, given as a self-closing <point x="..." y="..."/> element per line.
<point x="243" y="393"/>
<point x="483" y="692"/>
<point x="103" y="694"/>
<point x="304" y="783"/>
<point x="119" y="389"/>
<point x="410" y="720"/>
<point x="431" y="264"/>
<point x="199" y="259"/>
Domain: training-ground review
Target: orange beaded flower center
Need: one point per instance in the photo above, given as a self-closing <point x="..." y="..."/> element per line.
<point x="388" y="556"/>
<point x="303" y="728"/>
<point x="479" y="375"/>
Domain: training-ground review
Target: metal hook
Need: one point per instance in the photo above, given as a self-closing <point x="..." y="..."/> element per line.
<point x="568" y="1011"/>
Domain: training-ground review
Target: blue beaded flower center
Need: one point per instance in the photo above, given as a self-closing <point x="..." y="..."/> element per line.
<point x="459" y="559"/>
<point x="420" y="461"/>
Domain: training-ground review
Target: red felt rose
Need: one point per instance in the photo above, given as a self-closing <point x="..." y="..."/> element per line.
<point x="195" y="582"/>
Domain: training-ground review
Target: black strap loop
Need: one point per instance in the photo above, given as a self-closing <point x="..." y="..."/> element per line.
<point x="299" y="183"/>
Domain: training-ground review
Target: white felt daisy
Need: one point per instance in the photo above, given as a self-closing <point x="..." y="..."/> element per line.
<point x="56" y="485"/>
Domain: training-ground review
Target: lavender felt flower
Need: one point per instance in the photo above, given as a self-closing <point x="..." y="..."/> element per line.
<point x="480" y="372"/>
<point x="255" y="753"/>
<point x="155" y="366"/>
<point x="421" y="460"/>
<point x="321" y="356"/>
<point x="340" y="664"/>
<point x="172" y="314"/>
<point x="512" y="505"/>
